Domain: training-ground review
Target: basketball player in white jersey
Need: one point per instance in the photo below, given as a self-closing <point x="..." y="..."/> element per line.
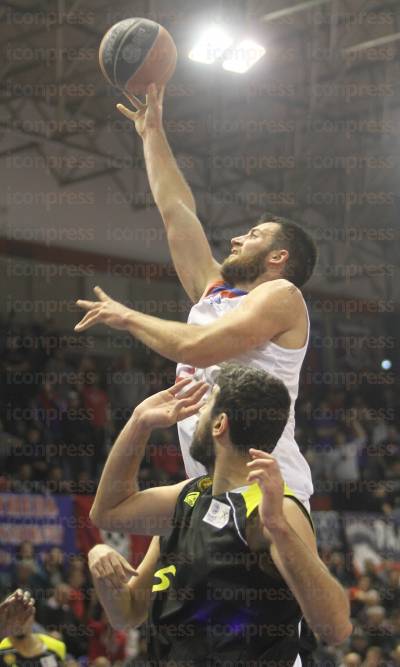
<point x="248" y="309"/>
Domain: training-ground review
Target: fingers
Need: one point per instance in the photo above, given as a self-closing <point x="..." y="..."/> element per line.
<point x="88" y="321"/>
<point x="135" y="101"/>
<point x="160" y="94"/>
<point x="131" y="115"/>
<point x="257" y="475"/>
<point x="179" y="385"/>
<point x="86" y="305"/>
<point x="191" y="410"/>
<point x="90" y="305"/>
<point x="193" y="395"/>
<point x="259" y="453"/>
<point x="199" y="387"/>
<point x="129" y="569"/>
<point x="114" y="571"/>
<point x="101" y="294"/>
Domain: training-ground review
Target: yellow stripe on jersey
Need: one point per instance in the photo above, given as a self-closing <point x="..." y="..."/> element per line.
<point x="252" y="497"/>
<point x="58" y="647"/>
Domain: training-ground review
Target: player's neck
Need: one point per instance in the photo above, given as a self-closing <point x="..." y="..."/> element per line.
<point x="248" y="285"/>
<point x="229" y="473"/>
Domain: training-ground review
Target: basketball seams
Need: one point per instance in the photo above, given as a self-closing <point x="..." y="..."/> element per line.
<point x="165" y="36"/>
<point x="116" y="57"/>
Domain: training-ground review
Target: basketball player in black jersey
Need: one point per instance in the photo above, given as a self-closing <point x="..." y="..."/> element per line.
<point x="236" y="566"/>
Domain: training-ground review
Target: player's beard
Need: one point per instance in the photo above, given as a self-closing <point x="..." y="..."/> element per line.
<point x="238" y="269"/>
<point x="202" y="447"/>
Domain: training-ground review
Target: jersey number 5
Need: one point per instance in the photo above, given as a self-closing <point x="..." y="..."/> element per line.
<point x="165" y="581"/>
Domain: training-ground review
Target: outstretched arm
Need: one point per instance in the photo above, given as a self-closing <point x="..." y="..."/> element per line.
<point x="119" y="504"/>
<point x="190" y="250"/>
<point x="294" y="552"/>
<point x="268" y="310"/>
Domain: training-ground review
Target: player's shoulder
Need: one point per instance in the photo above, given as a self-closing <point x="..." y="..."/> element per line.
<point x="280" y="291"/>
<point x="279" y="285"/>
<point x="54" y="645"/>
<point x="194" y="488"/>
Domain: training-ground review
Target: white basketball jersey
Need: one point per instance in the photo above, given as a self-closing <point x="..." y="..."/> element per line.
<point x="279" y="361"/>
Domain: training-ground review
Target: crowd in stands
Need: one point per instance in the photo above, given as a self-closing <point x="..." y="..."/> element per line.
<point x="60" y="411"/>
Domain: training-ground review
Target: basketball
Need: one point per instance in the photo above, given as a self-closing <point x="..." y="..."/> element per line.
<point x="136" y="52"/>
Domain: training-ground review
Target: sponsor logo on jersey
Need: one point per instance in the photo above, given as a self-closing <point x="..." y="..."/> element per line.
<point x="191" y="498"/>
<point x="204" y="483"/>
<point x="218" y="514"/>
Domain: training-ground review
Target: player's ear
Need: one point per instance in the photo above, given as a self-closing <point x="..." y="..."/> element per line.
<point x="278" y="257"/>
<point x="220" y="425"/>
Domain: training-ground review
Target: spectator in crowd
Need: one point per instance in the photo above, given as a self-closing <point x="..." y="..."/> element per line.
<point x="342" y="459"/>
<point x="96" y="402"/>
<point x="351" y="660"/>
<point x="104" y="641"/>
<point x="128" y="387"/>
<point x="15" y="611"/>
<point x="374" y="657"/>
<point x="27" y="647"/>
<point x="54" y="567"/>
<point x="57" y="613"/>
<point x="395" y="657"/>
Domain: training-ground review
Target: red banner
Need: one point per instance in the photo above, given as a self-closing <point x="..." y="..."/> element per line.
<point x="132" y="547"/>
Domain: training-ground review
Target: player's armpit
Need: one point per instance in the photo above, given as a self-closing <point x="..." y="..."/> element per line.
<point x="147" y="512"/>
<point x="190" y="249"/>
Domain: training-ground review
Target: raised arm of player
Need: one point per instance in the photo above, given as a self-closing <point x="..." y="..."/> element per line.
<point x="190" y="250"/>
<point x="272" y="308"/>
<point x="119" y="504"/>
<point x="294" y="551"/>
<point x="125" y="593"/>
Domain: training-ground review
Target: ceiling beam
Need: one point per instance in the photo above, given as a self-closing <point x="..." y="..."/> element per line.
<point x="379" y="41"/>
<point x="303" y="6"/>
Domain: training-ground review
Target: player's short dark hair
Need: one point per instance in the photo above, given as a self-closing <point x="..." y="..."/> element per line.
<point x="300" y="245"/>
<point x="256" y="403"/>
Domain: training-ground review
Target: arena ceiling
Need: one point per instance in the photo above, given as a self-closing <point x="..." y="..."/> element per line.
<point x="312" y="131"/>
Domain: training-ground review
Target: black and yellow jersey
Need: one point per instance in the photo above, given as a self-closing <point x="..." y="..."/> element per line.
<point x="52" y="655"/>
<point x="216" y="602"/>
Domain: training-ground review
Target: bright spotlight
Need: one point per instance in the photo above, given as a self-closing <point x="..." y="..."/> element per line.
<point x="211" y="45"/>
<point x="386" y="364"/>
<point x="243" y="56"/>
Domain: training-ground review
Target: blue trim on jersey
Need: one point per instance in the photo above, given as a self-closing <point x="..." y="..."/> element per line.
<point x="225" y="286"/>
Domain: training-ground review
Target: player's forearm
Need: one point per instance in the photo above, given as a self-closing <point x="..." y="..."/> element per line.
<point x="173" y="340"/>
<point x="321" y="598"/>
<point x="198" y="346"/>
<point x="166" y="180"/>
<point x="119" y="478"/>
<point x="117" y="605"/>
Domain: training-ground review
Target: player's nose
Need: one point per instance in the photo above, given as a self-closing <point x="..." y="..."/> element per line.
<point x="237" y="241"/>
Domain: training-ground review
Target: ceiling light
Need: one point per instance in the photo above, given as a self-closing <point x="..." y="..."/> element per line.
<point x="243" y="56"/>
<point x="211" y="45"/>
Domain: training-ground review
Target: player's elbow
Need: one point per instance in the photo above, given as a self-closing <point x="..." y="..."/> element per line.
<point x="334" y="633"/>
<point x="340" y="633"/>
<point x="99" y="518"/>
<point x="194" y="352"/>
